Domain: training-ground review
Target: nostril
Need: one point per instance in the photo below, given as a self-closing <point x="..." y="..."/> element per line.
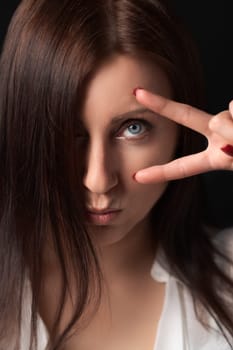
<point x="99" y="181"/>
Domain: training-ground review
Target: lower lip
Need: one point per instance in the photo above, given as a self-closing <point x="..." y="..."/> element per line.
<point x="102" y="219"/>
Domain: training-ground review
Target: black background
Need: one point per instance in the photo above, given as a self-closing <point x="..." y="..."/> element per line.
<point x="211" y="23"/>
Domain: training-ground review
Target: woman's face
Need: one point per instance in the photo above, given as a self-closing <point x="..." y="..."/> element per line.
<point x="120" y="137"/>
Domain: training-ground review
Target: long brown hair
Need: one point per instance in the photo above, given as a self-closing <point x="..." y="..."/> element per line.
<point x="51" y="51"/>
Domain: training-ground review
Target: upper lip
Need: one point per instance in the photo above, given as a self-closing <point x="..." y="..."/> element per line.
<point x="101" y="211"/>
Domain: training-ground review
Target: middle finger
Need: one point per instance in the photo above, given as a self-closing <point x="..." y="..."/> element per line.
<point x="184" y="114"/>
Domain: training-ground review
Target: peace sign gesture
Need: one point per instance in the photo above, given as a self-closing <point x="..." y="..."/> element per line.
<point x="217" y="129"/>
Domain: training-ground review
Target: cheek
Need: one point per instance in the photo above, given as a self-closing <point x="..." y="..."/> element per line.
<point x="143" y="196"/>
<point x="158" y="149"/>
<point x="148" y="193"/>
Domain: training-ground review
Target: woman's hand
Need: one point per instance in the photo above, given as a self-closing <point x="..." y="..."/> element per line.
<point x="217" y="129"/>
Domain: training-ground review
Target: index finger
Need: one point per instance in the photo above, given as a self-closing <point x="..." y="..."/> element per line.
<point x="177" y="169"/>
<point x="181" y="113"/>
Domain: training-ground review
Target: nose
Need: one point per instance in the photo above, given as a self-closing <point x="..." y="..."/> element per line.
<point x="100" y="174"/>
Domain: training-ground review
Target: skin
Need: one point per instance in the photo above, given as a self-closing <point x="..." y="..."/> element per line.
<point x="115" y="154"/>
<point x="111" y="161"/>
<point x="217" y="129"/>
<point x="112" y="155"/>
<point x="110" y="165"/>
<point x="131" y="300"/>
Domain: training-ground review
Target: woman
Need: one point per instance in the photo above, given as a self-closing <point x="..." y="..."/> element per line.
<point x="94" y="252"/>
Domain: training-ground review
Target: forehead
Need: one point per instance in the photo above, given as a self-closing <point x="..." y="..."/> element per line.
<point x="109" y="93"/>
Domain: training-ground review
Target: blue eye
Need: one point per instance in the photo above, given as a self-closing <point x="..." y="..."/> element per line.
<point x="134" y="129"/>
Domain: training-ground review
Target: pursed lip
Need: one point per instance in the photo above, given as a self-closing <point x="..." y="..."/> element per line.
<point x="102" y="217"/>
<point x="102" y="211"/>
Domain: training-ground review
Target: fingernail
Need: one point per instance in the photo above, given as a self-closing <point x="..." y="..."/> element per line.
<point x="228" y="149"/>
<point x="138" y="174"/>
<point x="135" y="90"/>
<point x="134" y="176"/>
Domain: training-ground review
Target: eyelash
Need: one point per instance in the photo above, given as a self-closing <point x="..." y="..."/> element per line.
<point x="148" y="126"/>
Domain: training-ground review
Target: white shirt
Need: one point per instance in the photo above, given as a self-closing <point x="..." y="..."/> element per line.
<point x="178" y="327"/>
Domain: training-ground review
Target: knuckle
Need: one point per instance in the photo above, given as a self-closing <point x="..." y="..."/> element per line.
<point x="214" y="122"/>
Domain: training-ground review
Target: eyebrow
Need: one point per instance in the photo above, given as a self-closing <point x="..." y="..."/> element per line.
<point x="119" y="118"/>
